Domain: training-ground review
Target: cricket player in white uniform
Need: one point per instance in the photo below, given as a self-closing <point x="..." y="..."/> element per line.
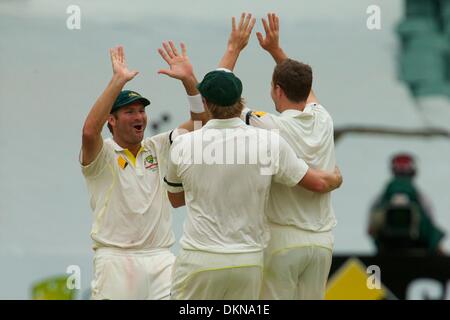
<point x="211" y="171"/>
<point x="132" y="229"/>
<point x="299" y="254"/>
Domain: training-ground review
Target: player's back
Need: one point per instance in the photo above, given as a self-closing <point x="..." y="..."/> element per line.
<point x="310" y="134"/>
<point x="225" y="187"/>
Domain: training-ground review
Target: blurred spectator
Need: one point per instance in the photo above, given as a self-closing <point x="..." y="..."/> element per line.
<point x="400" y="220"/>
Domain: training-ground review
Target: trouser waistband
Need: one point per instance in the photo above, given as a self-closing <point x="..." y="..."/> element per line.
<point x="121" y="251"/>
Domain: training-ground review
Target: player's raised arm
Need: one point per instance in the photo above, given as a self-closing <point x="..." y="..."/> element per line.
<point x="181" y="68"/>
<point x="271" y="43"/>
<point x="91" y="137"/>
<point x="238" y="40"/>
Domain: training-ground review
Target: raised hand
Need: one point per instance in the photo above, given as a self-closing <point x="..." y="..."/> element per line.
<point x="271" y="43"/>
<point x="119" y="64"/>
<point x="241" y="34"/>
<point x="272" y="29"/>
<point x="179" y="65"/>
<point x="238" y="40"/>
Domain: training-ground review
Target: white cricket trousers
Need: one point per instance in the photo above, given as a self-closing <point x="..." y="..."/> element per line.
<point x="297" y="264"/>
<point x="199" y="275"/>
<point x="132" y="274"/>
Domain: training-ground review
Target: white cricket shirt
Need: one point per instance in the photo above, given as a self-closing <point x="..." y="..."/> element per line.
<point x="226" y="194"/>
<point x="310" y="134"/>
<point x="130" y="204"/>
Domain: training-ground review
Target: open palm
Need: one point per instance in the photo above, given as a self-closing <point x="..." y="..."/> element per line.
<point x="241" y="34"/>
<point x="272" y="30"/>
<point x="179" y="65"/>
<point x="119" y="64"/>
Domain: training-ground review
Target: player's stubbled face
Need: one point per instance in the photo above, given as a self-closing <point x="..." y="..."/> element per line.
<point x="130" y="123"/>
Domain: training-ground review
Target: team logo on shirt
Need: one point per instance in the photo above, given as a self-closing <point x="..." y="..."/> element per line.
<point x="151" y="162"/>
<point x="122" y="162"/>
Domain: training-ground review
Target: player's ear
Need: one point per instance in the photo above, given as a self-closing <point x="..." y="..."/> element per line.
<point x="279" y="92"/>
<point x="111" y="119"/>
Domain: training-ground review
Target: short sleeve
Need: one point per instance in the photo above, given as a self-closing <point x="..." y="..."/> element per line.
<point x="160" y="142"/>
<point x="96" y="167"/>
<point x="291" y="169"/>
<point x="172" y="181"/>
<point x="259" y="119"/>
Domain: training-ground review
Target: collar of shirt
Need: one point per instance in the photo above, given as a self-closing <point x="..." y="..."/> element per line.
<point x="119" y="148"/>
<point x="224" y="123"/>
<point x="292" y="113"/>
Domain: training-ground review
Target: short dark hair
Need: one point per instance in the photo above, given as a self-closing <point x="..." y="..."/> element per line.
<point x="295" y="78"/>
<point x="220" y="112"/>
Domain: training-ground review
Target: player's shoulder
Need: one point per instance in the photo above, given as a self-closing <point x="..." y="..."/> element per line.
<point x="109" y="145"/>
<point x="160" y="136"/>
<point x="320" y="115"/>
<point x="108" y="142"/>
<point x="320" y="109"/>
<point x="183" y="136"/>
<point x="157" y="141"/>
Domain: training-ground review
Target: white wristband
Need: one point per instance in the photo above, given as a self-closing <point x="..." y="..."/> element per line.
<point x="196" y="103"/>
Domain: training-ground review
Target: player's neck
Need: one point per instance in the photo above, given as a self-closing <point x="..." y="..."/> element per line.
<point x="133" y="148"/>
<point x="289" y="105"/>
